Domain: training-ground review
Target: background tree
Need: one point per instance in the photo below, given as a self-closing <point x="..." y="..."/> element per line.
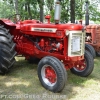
<point x="79" y="9"/>
<point x="33" y="9"/>
<point x="72" y="11"/>
<point x="65" y="12"/>
<point x="15" y="3"/>
<point x="94" y="10"/>
<point x="49" y="8"/>
<point x="6" y="9"/>
<point x="41" y="4"/>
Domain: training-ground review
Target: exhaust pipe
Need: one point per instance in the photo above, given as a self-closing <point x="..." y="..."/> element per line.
<point x="57" y="12"/>
<point x="87" y="14"/>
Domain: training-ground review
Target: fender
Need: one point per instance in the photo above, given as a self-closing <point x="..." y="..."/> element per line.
<point x="12" y="27"/>
<point x="7" y="22"/>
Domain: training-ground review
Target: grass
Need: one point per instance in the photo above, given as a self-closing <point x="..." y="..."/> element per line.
<point x="22" y="83"/>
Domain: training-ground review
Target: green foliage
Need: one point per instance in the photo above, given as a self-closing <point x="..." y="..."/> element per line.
<point x="30" y="9"/>
<point x="65" y="11"/>
<point x="79" y="10"/>
<point x="6" y="9"/>
<point x="52" y="15"/>
<point x="34" y="9"/>
<point x="49" y="9"/>
<point x="94" y="12"/>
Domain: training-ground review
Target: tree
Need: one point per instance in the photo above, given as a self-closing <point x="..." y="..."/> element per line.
<point x="79" y="9"/>
<point x="6" y="9"/>
<point x="34" y="9"/>
<point x="15" y="3"/>
<point x="65" y="11"/>
<point x="41" y="3"/>
<point x="94" y="10"/>
<point x="49" y="8"/>
<point x="72" y="12"/>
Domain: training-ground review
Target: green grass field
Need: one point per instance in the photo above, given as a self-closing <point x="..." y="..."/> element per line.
<point x="22" y="83"/>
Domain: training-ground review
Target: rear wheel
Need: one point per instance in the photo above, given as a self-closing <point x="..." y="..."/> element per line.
<point x="7" y="50"/>
<point x="52" y="74"/>
<point x="89" y="48"/>
<point x="85" y="67"/>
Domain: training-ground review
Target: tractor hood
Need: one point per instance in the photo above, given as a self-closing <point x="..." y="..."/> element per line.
<point x="49" y="27"/>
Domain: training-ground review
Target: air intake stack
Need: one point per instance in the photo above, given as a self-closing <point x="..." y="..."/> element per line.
<point x="57" y="12"/>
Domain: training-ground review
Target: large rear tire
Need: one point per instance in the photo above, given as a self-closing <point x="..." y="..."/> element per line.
<point x="85" y="67"/>
<point x="52" y="74"/>
<point x="7" y="50"/>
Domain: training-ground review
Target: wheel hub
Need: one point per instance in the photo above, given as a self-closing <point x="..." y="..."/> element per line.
<point x="49" y="75"/>
<point x="80" y="66"/>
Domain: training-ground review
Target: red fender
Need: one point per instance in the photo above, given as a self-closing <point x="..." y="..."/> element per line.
<point x="7" y="22"/>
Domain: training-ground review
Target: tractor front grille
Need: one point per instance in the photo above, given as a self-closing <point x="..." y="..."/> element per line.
<point x="76" y="43"/>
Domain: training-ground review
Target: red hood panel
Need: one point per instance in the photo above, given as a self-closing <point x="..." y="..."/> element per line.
<point x="27" y="27"/>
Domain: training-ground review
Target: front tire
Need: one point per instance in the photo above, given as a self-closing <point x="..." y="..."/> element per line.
<point x="89" y="48"/>
<point x="98" y="53"/>
<point x="85" y="67"/>
<point x="7" y="50"/>
<point x="52" y="74"/>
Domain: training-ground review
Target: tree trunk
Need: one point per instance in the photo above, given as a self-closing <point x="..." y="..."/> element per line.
<point x="25" y="17"/>
<point x="41" y="10"/>
<point x="29" y="11"/>
<point x="72" y="13"/>
<point x="15" y="2"/>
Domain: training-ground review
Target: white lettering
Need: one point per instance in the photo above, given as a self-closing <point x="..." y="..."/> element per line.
<point x="53" y="30"/>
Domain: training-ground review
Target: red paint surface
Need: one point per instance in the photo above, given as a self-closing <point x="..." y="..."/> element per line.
<point x="25" y="39"/>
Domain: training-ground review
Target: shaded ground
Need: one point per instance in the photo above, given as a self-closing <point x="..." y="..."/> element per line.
<point x="22" y="83"/>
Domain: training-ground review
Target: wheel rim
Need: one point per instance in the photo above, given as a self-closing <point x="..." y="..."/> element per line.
<point x="80" y="66"/>
<point x="49" y="75"/>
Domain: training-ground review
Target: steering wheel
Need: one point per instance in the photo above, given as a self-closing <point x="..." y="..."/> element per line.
<point x="15" y="18"/>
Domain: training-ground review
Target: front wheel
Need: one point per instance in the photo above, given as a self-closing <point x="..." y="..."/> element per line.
<point x="90" y="48"/>
<point x="85" y="67"/>
<point x="98" y="53"/>
<point x="52" y="74"/>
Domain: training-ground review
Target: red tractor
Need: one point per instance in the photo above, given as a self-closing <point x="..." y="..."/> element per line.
<point x="92" y="38"/>
<point x="58" y="46"/>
